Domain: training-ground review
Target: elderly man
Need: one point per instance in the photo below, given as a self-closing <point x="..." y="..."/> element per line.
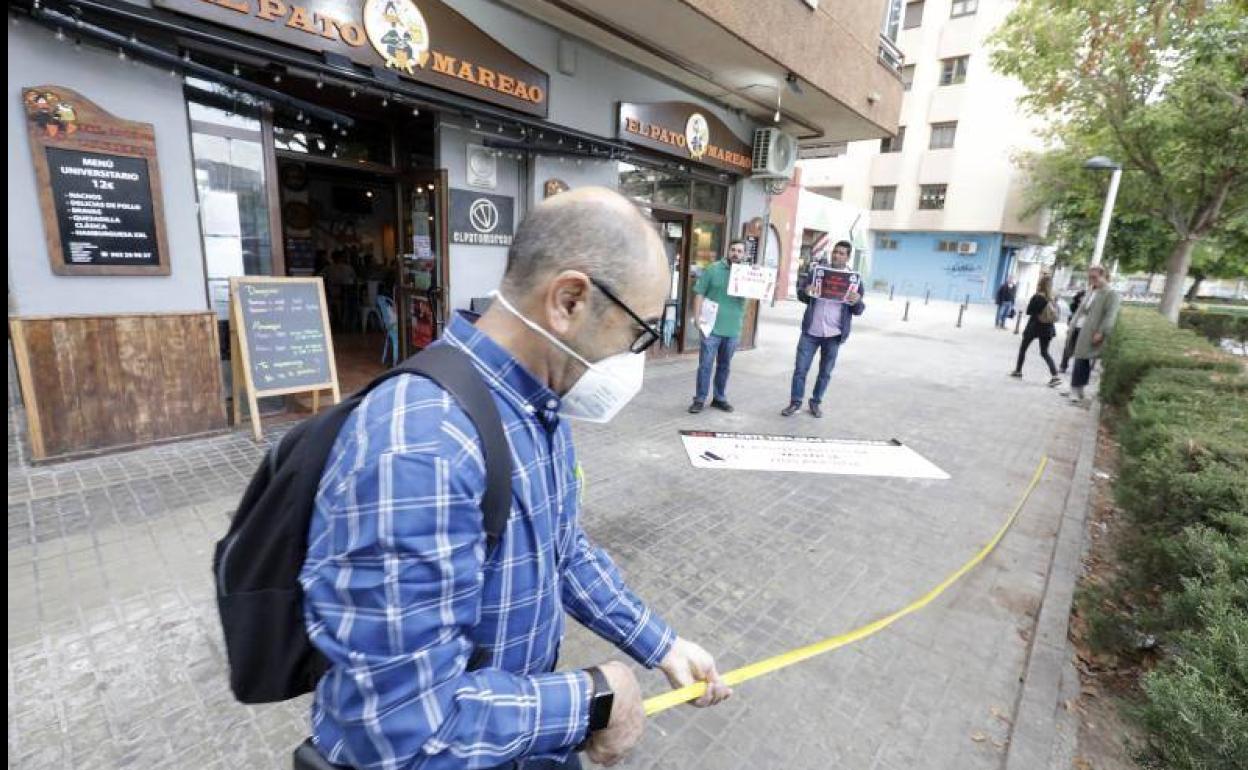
<point x="1094" y="320"/>
<point x="825" y="327"/>
<point x="443" y="652"/>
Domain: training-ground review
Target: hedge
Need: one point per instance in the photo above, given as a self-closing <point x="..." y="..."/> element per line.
<point x="1144" y="340"/>
<point x="1184" y="581"/>
<point x="1216" y="324"/>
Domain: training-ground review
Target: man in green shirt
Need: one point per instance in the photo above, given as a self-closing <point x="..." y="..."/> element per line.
<point x="720" y="341"/>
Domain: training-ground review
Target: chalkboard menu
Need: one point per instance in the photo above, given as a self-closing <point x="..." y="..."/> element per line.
<point x="103" y="208"/>
<point x="98" y="186"/>
<point x="285" y="330"/>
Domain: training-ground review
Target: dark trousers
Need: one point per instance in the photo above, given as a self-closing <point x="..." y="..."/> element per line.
<point x="1083" y="372"/>
<point x="807" y="346"/>
<point x="716" y="352"/>
<point x="1072" y="337"/>
<point x="1003" y="313"/>
<point x="1044" y="351"/>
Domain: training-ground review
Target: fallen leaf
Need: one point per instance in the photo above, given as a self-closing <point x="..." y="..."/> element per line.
<point x="978" y="737"/>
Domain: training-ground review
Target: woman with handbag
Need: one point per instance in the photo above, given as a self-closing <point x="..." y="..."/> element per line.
<point x="1042" y="315"/>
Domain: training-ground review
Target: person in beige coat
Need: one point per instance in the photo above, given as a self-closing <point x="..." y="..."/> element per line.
<point x="1095" y="321"/>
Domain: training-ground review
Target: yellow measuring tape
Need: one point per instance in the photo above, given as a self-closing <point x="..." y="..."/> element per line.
<point x="667" y="700"/>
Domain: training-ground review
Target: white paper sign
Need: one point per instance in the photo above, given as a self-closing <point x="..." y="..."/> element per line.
<point x="752" y="281"/>
<point x="706" y="318"/>
<point x="223" y="256"/>
<point x="798" y="454"/>
<point x="221" y="215"/>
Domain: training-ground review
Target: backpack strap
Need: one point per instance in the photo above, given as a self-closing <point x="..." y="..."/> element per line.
<point x="451" y="368"/>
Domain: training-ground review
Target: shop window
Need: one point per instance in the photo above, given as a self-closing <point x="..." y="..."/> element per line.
<point x="883" y="198"/>
<point x="953" y="71"/>
<point x="932" y="196"/>
<point x="943" y="135"/>
<point x="914" y="15"/>
<point x="672" y="190"/>
<point x="947" y="246"/>
<point x="230" y="181"/>
<point x="885" y="243"/>
<point x="362" y="142"/>
<point x="963" y="8"/>
<point x="893" y="143"/>
<point x="637" y="182"/>
<point x="708" y="196"/>
<point x="835" y="193"/>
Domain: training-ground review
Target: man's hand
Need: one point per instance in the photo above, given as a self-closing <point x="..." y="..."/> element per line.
<point x="687" y="663"/>
<point x="1098" y="338"/>
<point x="852" y="297"/>
<point x="628" y="718"/>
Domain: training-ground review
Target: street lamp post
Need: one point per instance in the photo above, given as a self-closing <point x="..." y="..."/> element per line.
<point x="1101" y="163"/>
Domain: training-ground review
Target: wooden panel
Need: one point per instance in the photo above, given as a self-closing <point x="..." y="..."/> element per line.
<point x="104" y="382"/>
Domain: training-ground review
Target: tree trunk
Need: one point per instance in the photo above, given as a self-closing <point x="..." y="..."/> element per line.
<point x="1198" y="279"/>
<point x="1177" y="265"/>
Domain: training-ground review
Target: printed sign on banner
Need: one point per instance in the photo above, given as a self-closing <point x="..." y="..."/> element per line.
<point x="831" y="283"/>
<point x="752" y="281"/>
<point x="798" y="454"/>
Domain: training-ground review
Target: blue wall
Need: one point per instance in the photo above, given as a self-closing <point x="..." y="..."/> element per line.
<point x="916" y="266"/>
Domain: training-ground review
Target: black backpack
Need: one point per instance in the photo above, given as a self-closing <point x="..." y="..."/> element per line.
<point x="257" y="563"/>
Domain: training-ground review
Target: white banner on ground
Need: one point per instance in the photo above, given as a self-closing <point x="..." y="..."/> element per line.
<point x="752" y="281"/>
<point x="798" y="454"/>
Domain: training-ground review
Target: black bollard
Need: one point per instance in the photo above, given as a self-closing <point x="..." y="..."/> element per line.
<point x="906" y="317"/>
<point x="967" y="301"/>
<point x="927" y="296"/>
<point x="1018" y="321"/>
<point x="961" y="310"/>
<point x="890" y="292"/>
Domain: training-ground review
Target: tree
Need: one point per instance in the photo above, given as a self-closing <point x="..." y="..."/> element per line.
<point x="1161" y="85"/>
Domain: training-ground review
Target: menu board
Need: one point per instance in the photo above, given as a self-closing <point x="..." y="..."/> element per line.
<point x="98" y="186"/>
<point x="281" y="340"/>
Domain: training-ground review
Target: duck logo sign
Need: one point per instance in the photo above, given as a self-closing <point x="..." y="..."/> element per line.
<point x="398" y="32"/>
<point x="697" y="135"/>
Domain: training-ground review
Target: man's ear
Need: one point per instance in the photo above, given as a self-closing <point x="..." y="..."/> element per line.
<point x="567" y="300"/>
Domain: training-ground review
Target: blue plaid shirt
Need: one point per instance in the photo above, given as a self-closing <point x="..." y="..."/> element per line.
<point x="400" y="591"/>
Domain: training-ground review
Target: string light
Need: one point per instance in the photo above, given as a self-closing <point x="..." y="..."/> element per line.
<point x="319" y="83"/>
<point x="121" y="54"/>
<point x="476" y="124"/>
<point x="385" y="102"/>
<point x="415" y="112"/>
<point x="237" y="71"/>
<point x="60" y="35"/>
<point x="352" y="93"/>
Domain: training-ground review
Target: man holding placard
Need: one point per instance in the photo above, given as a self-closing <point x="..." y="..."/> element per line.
<point x="719" y="317"/>
<point x="833" y="296"/>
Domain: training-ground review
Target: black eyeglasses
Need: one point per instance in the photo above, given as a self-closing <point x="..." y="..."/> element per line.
<point x="649" y="334"/>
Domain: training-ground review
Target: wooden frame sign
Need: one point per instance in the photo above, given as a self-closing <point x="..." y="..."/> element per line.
<point x="280" y="342"/>
<point x="99" y="186"/>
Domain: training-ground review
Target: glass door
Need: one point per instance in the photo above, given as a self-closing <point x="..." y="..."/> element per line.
<point x="706" y="245"/>
<point x="423" y="288"/>
<point x="674" y="232"/>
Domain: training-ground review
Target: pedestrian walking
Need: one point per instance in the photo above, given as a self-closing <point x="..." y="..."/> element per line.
<point x="1072" y="331"/>
<point x="825" y="328"/>
<point x="1006" y="294"/>
<point x="1095" y="321"/>
<point x="720" y="342"/>
<point x="441" y="650"/>
<point x="1042" y="315"/>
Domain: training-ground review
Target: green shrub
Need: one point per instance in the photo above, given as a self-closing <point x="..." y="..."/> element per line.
<point x="1196" y="703"/>
<point x="1142" y="341"/>
<point x="1216" y="325"/>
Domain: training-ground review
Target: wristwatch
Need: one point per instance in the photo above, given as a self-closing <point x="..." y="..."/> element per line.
<point x="600" y="701"/>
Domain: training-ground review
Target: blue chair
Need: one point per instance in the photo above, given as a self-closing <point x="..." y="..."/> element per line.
<point x="389" y="320"/>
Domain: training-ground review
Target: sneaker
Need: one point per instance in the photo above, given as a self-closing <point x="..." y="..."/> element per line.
<point x="815" y="411"/>
<point x="1016" y="375"/>
<point x="695" y="407"/>
<point x="1054" y="381"/>
<point x="723" y="406"/>
<point x="791" y="409"/>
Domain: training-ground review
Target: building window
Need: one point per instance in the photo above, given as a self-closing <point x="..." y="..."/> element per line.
<point x="828" y="192"/>
<point x="953" y="71"/>
<point x="914" y="15"/>
<point x="894" y="143"/>
<point x="892" y="19"/>
<point x="907" y="76"/>
<point x="943" y="135"/>
<point x="932" y="196"/>
<point x="885" y="243"/>
<point x="963" y="8"/>
<point x="883" y="198"/>
<point x="947" y="246"/>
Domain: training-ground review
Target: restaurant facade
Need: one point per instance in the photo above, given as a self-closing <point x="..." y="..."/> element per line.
<point x="157" y="150"/>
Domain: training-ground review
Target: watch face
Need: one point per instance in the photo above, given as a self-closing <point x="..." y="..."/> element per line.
<point x="600" y="710"/>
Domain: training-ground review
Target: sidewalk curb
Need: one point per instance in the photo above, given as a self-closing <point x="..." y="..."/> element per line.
<point x="1034" y="735"/>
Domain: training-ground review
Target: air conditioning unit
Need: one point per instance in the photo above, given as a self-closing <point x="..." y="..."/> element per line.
<point x="775" y="153"/>
<point x="968" y="247"/>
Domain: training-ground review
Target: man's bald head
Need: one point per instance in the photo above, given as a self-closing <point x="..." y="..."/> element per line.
<point x="591" y="229"/>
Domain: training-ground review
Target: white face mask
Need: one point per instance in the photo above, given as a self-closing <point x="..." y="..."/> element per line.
<point x="606" y="386"/>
